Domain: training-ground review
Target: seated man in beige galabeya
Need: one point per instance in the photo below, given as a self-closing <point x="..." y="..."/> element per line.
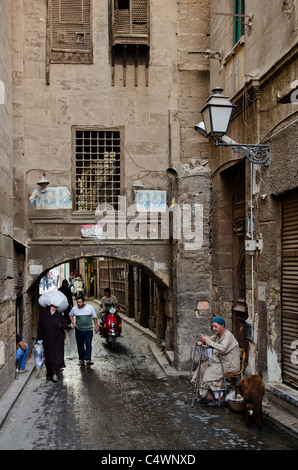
<point x="222" y="342"/>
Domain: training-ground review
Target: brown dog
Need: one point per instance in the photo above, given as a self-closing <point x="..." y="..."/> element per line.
<point x="252" y="390"/>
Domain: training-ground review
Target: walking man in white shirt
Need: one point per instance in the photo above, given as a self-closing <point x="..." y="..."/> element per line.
<point x="85" y="316"/>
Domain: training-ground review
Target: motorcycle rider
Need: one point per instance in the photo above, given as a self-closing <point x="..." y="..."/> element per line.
<point x="108" y="301"/>
<point x="77" y="274"/>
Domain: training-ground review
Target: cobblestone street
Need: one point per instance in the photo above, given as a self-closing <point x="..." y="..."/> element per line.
<point x="125" y="402"/>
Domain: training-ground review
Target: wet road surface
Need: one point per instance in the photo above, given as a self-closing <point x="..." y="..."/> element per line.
<point x="125" y="402"/>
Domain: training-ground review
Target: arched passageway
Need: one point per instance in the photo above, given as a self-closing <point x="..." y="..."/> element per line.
<point x="141" y="293"/>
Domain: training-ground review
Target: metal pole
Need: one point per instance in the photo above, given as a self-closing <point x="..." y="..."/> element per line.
<point x="195" y="392"/>
<point x="193" y="360"/>
<point x="223" y="376"/>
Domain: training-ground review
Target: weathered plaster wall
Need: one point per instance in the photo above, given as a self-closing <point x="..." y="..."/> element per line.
<point x="270" y="35"/>
<point x="255" y="74"/>
<point x="7" y="297"/>
<point x="157" y="121"/>
<point x="192" y="259"/>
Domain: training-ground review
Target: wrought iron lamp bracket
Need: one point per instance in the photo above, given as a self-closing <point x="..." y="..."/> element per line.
<point x="258" y="154"/>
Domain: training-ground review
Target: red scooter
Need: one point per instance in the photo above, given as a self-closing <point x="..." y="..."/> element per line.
<point x="110" y="327"/>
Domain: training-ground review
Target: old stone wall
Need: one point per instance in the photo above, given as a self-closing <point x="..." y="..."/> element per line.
<point x="258" y="74"/>
<point x="270" y="30"/>
<point x="155" y="108"/>
<point x="192" y="261"/>
<point x="7" y="296"/>
<point x="279" y="178"/>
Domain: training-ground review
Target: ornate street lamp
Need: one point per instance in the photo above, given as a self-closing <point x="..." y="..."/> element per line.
<point x="217" y="115"/>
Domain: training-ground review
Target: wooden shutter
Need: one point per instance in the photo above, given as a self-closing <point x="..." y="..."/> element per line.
<point x="238" y="22"/>
<point x="290" y="287"/>
<point x="130" y="24"/>
<point x="19" y="267"/>
<point x="70" y="31"/>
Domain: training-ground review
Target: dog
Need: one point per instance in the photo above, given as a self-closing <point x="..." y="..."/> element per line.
<point x="252" y="390"/>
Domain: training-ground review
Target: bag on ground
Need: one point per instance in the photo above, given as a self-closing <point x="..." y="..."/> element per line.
<point x="38" y="355"/>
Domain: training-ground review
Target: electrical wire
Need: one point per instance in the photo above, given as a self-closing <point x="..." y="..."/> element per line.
<point x="160" y="174"/>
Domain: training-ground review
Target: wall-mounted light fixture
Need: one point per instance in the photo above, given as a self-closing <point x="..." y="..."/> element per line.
<point x="43" y="183"/>
<point x="217" y="115"/>
<point x="137" y="184"/>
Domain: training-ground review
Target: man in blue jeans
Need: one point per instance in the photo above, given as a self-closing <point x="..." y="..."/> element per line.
<point x="21" y="354"/>
<point x="85" y="317"/>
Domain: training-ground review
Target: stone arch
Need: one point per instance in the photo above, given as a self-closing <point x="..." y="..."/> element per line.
<point x="152" y="274"/>
<point x="40" y="262"/>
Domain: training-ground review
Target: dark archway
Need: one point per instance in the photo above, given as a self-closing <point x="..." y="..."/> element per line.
<point x="141" y="293"/>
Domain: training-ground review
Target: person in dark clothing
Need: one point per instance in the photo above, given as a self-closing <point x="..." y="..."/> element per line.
<point x="65" y="289"/>
<point x="51" y="330"/>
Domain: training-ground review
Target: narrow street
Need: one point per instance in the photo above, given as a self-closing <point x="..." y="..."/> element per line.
<point x="125" y="402"/>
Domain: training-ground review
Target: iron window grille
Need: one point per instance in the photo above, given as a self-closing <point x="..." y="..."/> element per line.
<point x="97" y="155"/>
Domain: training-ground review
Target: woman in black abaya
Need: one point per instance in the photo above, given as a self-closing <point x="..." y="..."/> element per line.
<point x="51" y="330"/>
<point x="65" y="289"/>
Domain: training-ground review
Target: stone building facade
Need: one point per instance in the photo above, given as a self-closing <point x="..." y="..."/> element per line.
<point x="253" y="57"/>
<point x="7" y="304"/>
<point x="100" y="101"/>
<point x="102" y="97"/>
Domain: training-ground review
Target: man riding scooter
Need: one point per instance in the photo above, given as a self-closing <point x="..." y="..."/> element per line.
<point x="110" y="323"/>
<point x="108" y="301"/>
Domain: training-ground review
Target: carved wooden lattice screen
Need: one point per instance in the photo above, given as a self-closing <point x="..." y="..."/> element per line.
<point x="70" y="31"/>
<point x="130" y="36"/>
<point x="131" y="22"/>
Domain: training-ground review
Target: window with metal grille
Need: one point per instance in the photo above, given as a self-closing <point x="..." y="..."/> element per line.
<point x="97" y="155"/>
<point x="238" y="21"/>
